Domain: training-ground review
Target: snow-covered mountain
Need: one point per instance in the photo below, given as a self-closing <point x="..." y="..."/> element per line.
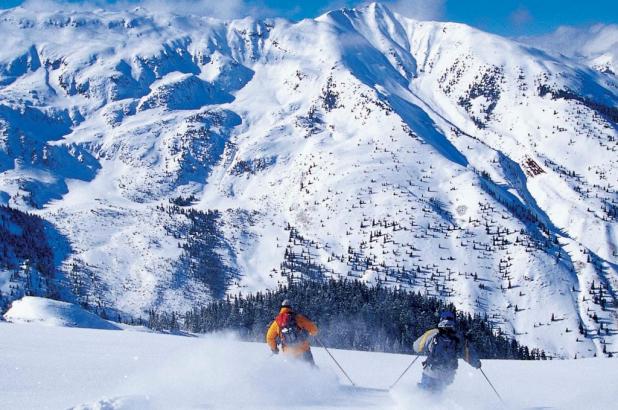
<point x="185" y="157"/>
<point x="596" y="46"/>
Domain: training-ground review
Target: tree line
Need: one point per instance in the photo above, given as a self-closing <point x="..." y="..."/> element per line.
<point x="349" y="314"/>
<point x="26" y="255"/>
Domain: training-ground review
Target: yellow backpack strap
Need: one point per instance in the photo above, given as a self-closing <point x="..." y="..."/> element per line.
<point x="422" y="342"/>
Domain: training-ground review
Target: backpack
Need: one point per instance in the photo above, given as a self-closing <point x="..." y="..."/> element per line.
<point x="443" y="352"/>
<point x="291" y="333"/>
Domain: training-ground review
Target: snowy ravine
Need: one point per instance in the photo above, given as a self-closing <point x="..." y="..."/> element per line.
<point x="361" y="144"/>
<point x="61" y="368"/>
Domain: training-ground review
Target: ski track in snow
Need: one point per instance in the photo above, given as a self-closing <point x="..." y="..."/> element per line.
<point x="58" y="368"/>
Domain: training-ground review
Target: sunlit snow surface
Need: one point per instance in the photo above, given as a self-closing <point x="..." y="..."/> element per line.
<point x="54" y="313"/>
<point x="59" y="368"/>
<point x="596" y="45"/>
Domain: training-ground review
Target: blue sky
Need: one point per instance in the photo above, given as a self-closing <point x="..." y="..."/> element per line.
<point x="506" y="17"/>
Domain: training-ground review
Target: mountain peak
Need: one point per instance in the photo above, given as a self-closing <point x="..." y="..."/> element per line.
<point x="188" y="158"/>
<point x="376" y="9"/>
<point x="377" y="6"/>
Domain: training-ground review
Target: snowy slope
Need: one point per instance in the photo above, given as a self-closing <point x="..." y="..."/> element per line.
<point x="361" y="144"/>
<point x="133" y="370"/>
<point x="54" y="313"/>
<point x="596" y="46"/>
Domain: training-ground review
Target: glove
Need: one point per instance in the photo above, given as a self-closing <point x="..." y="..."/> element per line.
<point x="477" y="365"/>
<point x="275" y="351"/>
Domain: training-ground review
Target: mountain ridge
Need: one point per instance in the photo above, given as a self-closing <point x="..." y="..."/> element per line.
<point x="361" y="144"/>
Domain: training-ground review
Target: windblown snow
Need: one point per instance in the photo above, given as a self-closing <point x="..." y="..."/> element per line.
<point x="595" y="46"/>
<point x="362" y="144"/>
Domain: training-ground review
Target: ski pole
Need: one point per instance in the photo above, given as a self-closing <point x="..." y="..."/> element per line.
<point x="404" y="372"/>
<point x="492" y="386"/>
<point x="335" y="360"/>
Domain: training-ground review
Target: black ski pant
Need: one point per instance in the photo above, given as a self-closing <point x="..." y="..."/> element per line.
<point x="308" y="357"/>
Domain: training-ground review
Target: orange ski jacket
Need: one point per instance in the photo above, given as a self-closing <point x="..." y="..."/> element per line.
<point x="274" y="334"/>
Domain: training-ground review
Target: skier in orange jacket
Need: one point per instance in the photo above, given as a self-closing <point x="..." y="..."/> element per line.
<point x="291" y="330"/>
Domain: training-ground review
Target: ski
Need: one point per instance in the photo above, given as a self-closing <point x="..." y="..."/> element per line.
<point x="362" y="389"/>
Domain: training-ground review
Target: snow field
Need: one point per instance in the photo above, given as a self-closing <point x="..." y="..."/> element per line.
<point x="54" y="313"/>
<point x="57" y="368"/>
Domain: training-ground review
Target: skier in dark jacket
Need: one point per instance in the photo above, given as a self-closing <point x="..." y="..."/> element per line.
<point x="442" y="347"/>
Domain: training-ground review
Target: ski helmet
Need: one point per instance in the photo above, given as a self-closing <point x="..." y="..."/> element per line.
<point x="447" y="320"/>
<point x="286" y="303"/>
